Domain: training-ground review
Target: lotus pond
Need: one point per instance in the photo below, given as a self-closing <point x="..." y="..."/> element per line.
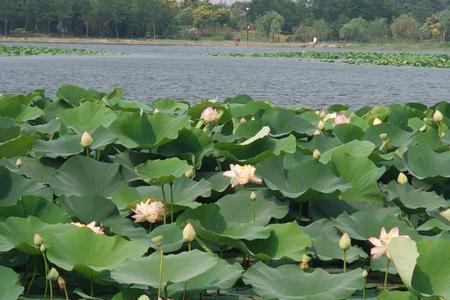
<point x="376" y="58"/>
<point x="107" y="198"/>
<point x="30" y="50"/>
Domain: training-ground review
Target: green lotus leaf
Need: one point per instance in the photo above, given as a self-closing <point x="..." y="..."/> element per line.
<point x="396" y="295"/>
<point x="325" y="242"/>
<point x="136" y="131"/>
<point x="320" y="142"/>
<point x="172" y="237"/>
<point x="286" y="240"/>
<point x="19" y="112"/>
<point x="282" y="122"/>
<point x="240" y="109"/>
<point x="412" y="198"/>
<point x="368" y="223"/>
<point x="196" y="110"/>
<point x="258" y="150"/>
<point x="103" y="211"/>
<point x="67" y="244"/>
<point x="422" y="162"/>
<point x="126" y="198"/>
<point x="15" y="186"/>
<point x="355" y="148"/>
<point x="397" y="137"/>
<point x="238" y="207"/>
<point x="65" y="146"/>
<point x="160" y="172"/>
<point x="9" y="131"/>
<point x="38" y="170"/>
<point x="102" y="138"/>
<point x="403" y="252"/>
<point x="178" y="268"/>
<point x="17" y="146"/>
<point x="11" y="288"/>
<point x="434" y="225"/>
<point x="87" y="117"/>
<point x="128" y="161"/>
<point x="192" y="144"/>
<point x="399" y="114"/>
<point x="128" y="294"/>
<point x="432" y="272"/>
<point x="170" y="106"/>
<point x="73" y="94"/>
<point x="318" y="285"/>
<point x="293" y="177"/>
<point x="222" y="276"/>
<point x="18" y="233"/>
<point x="83" y="176"/>
<point x="219" y="183"/>
<point x="126" y="105"/>
<point x="346" y="133"/>
<point x="362" y="174"/>
<point x="41" y="208"/>
<point x="248" y="129"/>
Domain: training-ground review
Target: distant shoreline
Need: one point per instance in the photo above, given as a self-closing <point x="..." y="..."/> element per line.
<point x="422" y="45"/>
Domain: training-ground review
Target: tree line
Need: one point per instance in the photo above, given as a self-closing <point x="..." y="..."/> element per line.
<point x="302" y="20"/>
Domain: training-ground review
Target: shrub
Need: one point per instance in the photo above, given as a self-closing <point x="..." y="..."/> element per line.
<point x="405" y="28"/>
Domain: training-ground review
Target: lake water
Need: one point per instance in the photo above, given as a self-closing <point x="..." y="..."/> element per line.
<point x="192" y="73"/>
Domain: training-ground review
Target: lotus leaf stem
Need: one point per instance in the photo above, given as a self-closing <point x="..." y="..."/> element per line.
<point x="364" y="288"/>
<point x="254" y="211"/>
<point x="171" y="202"/>
<point x="165" y="202"/>
<point x="386" y="274"/>
<point x="161" y="256"/>
<point x="32" y="278"/>
<point x="48" y="282"/>
<point x="92" y="288"/>
<point x="344" y="269"/>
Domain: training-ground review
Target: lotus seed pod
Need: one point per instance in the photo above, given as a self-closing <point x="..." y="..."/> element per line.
<point x="42" y="248"/>
<point x="316" y="154"/>
<point x="143" y="297"/>
<point x="157" y="240"/>
<point x="446" y="214"/>
<point x="86" y="139"/>
<point x="253" y="196"/>
<point x="345" y="243"/>
<point x="37" y="239"/>
<point x="52" y="274"/>
<point x="437" y="116"/>
<point x="189" y="233"/>
<point x="189" y="173"/>
<point x="61" y="283"/>
<point x="18" y="163"/>
<point x="321" y="125"/>
<point x="317" y="132"/>
<point x="365" y="274"/>
<point x="376" y="122"/>
<point x="402" y="179"/>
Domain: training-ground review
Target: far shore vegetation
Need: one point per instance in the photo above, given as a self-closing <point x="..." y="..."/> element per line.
<point x="386" y="24"/>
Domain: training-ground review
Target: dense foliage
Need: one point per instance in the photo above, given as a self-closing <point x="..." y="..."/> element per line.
<point x="326" y="184"/>
<point x="377" y="58"/>
<point x="29" y="50"/>
<point x="193" y="19"/>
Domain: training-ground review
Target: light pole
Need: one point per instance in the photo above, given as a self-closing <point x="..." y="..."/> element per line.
<point x="248" y="25"/>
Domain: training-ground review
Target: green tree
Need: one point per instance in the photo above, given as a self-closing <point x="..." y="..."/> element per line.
<point x="405" y="28"/>
<point x="8" y="9"/>
<point x="355" y="30"/>
<point x="379" y="29"/>
<point x="444" y="23"/>
<point x="269" y="24"/>
<point x="63" y="13"/>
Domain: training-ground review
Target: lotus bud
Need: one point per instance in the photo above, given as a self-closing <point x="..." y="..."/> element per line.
<point x="37" y="239"/>
<point x="18" y="163"/>
<point x="52" y="274"/>
<point x="437" y="116"/>
<point x="242" y="120"/>
<point x="384" y="147"/>
<point x="345" y="243"/>
<point x="402" y="179"/>
<point x="423" y="128"/>
<point x="61" y="283"/>
<point x="321" y="125"/>
<point x="376" y="122"/>
<point x="189" y="173"/>
<point x="42" y="248"/>
<point x="189" y="233"/>
<point x="306" y="258"/>
<point x="317" y="132"/>
<point x="304" y="264"/>
<point x="157" y="240"/>
<point x="323" y="114"/>
<point x="442" y="134"/>
<point x="86" y="139"/>
<point x="253" y="196"/>
<point x="446" y="214"/>
<point x="316" y="154"/>
<point x="365" y="274"/>
<point x="143" y="297"/>
<point x="155" y="111"/>
<point x="383" y="137"/>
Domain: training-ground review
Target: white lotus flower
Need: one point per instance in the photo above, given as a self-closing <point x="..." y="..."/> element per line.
<point x="91" y="226"/>
<point x="149" y="211"/>
<point x="241" y="175"/>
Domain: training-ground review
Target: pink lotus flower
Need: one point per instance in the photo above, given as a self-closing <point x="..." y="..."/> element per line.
<point x="149" y="211"/>
<point x="91" y="226"/>
<point x="209" y="115"/>
<point x="381" y="244"/>
<point x="241" y="175"/>
<point x="341" y="119"/>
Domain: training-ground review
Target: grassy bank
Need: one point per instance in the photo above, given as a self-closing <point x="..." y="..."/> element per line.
<point x="29" y="50"/>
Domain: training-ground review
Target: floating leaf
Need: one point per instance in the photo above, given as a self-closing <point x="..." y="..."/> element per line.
<point x="160" y="172"/>
<point x="11" y="288"/>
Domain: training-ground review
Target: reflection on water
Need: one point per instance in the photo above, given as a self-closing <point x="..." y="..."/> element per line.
<point x="191" y="73"/>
